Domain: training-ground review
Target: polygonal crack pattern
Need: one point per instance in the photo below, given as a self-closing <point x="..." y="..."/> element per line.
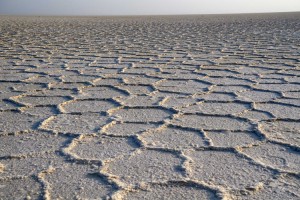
<point x="119" y="108"/>
<point x="173" y="190"/>
<point x="146" y="166"/>
<point x="216" y="167"/>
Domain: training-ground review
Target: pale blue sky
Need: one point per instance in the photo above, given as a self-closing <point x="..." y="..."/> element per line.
<point x="143" y="7"/>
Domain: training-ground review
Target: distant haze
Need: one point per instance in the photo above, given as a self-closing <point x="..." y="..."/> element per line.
<point x="143" y="7"/>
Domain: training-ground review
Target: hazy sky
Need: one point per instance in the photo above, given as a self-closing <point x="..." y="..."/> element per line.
<point x="143" y="7"/>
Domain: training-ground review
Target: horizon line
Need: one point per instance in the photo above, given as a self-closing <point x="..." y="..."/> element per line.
<point x="133" y="15"/>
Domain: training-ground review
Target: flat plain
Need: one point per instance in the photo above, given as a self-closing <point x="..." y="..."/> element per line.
<point x="150" y="107"/>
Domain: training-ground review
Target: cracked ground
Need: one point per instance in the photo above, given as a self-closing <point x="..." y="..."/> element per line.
<point x="169" y="107"/>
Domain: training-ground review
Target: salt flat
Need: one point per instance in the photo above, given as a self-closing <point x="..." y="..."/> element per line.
<point x="157" y="107"/>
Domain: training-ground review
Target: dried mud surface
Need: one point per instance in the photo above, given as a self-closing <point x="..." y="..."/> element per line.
<point x="173" y="107"/>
